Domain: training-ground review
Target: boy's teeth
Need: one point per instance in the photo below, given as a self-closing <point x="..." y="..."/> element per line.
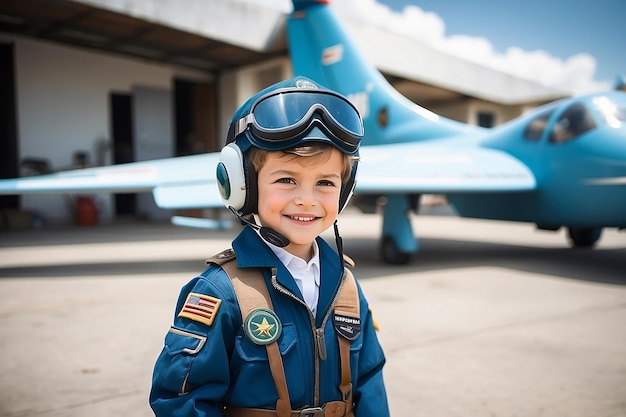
<point x="303" y="219"/>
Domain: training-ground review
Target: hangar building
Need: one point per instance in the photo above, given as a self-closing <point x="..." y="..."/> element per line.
<point x="98" y="82"/>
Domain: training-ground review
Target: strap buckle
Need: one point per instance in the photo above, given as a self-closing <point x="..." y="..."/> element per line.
<point x="311" y="412"/>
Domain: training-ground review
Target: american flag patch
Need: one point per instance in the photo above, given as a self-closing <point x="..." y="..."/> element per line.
<point x="200" y="307"/>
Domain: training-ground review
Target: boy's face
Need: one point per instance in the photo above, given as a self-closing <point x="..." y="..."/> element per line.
<point x="299" y="196"/>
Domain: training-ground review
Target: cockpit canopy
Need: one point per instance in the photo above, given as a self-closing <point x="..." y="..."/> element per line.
<point x="612" y="113"/>
<point x="573" y="122"/>
<point x="576" y="119"/>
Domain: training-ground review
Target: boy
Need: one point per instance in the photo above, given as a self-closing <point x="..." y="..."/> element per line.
<point x="277" y="326"/>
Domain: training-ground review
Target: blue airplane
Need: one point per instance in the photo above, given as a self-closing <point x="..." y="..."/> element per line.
<point x="562" y="165"/>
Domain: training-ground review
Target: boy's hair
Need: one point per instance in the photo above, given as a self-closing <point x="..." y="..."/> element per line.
<point x="257" y="156"/>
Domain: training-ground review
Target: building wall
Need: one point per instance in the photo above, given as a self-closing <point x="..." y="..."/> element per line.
<point x="63" y="97"/>
<point x="237" y="86"/>
<point x="63" y="107"/>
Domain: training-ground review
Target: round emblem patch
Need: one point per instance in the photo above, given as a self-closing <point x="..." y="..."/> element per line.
<point x="262" y="326"/>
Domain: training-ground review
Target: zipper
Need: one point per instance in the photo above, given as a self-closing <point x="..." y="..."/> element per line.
<point x="319" y="345"/>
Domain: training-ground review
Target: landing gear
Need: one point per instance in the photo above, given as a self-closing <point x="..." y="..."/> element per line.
<point x="398" y="243"/>
<point x="391" y="254"/>
<point x="583" y="237"/>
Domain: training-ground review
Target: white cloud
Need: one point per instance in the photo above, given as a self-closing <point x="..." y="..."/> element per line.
<point x="576" y="74"/>
<point x="284" y="6"/>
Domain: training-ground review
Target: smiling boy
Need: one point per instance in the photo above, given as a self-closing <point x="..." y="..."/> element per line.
<point x="299" y="192"/>
<point x="277" y="325"/>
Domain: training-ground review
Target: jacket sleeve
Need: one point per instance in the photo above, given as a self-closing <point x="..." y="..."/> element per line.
<point x="370" y="395"/>
<point x="191" y="375"/>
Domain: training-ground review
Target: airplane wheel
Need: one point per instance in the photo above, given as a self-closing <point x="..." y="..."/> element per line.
<point x="583" y="238"/>
<point x="391" y="254"/>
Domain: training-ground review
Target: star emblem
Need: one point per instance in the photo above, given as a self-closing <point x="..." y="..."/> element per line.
<point x="262" y="326"/>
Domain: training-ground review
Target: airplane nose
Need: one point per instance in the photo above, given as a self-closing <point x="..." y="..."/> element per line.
<point x="612" y="158"/>
<point x="616" y="152"/>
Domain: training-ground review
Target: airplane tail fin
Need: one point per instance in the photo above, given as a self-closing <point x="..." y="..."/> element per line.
<point x="321" y="49"/>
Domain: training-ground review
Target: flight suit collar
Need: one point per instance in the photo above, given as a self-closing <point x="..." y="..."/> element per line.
<point x="252" y="252"/>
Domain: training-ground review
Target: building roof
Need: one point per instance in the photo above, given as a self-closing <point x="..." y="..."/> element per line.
<point x="219" y="35"/>
<point x="162" y="31"/>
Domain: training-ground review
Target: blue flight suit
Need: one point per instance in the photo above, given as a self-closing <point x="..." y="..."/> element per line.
<point x="204" y="366"/>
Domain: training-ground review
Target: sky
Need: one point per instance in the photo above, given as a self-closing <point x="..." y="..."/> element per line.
<point x="573" y="45"/>
<point x="579" y="41"/>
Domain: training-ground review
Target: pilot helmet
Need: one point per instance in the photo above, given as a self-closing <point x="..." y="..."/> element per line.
<point x="285" y="115"/>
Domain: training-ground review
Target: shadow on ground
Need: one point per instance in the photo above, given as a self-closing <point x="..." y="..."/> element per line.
<point x="595" y="265"/>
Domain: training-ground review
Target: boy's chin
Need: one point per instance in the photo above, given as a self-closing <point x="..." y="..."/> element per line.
<point x="300" y="240"/>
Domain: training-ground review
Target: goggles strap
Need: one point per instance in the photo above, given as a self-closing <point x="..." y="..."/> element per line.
<point x="242" y="124"/>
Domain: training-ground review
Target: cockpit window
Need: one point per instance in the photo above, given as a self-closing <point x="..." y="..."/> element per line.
<point x="613" y="114"/>
<point x="574" y="121"/>
<point x="535" y="128"/>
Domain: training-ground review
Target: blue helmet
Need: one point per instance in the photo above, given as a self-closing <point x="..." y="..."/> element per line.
<point x="292" y="112"/>
<point x="283" y="116"/>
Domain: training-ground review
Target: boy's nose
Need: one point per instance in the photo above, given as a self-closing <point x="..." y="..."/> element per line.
<point x="305" y="197"/>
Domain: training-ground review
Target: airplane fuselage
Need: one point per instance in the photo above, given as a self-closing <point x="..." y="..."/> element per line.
<point x="581" y="178"/>
<point x="561" y="165"/>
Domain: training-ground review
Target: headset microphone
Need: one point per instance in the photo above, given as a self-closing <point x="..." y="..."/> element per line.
<point x="270" y="235"/>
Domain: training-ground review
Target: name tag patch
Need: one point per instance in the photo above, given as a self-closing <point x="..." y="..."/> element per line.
<point x="346" y="326"/>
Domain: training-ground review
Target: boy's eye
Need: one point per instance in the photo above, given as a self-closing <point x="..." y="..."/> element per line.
<point x="286" y="181"/>
<point x="326" y="183"/>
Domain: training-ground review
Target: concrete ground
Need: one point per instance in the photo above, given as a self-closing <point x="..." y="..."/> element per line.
<point x="489" y="319"/>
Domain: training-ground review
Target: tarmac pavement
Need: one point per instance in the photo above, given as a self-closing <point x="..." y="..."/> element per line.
<point x="489" y="319"/>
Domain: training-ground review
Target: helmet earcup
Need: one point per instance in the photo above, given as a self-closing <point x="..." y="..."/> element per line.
<point x="231" y="177"/>
<point x="236" y="180"/>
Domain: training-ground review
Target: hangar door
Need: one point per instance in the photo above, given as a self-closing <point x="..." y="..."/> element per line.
<point x="8" y="123"/>
<point x="152" y="123"/>
<point x="153" y="133"/>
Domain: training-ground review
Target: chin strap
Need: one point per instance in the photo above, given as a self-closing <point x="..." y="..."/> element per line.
<point x="338" y="242"/>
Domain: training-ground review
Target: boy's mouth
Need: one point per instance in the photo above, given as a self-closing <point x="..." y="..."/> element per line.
<point x="303" y="218"/>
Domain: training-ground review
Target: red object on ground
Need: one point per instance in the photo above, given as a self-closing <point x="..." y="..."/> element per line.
<point x="86" y="212"/>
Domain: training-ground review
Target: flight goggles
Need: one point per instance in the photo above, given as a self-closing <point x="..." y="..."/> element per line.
<point x="281" y="119"/>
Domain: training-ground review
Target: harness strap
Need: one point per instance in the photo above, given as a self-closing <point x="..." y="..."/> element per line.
<point x="330" y="409"/>
<point x="347" y="304"/>
<point x="252" y="293"/>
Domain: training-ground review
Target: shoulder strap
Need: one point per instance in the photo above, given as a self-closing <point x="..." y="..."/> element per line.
<point x="347" y="305"/>
<point x="250" y="288"/>
<point x="248" y="283"/>
<point x="252" y="293"/>
<point x="348" y="300"/>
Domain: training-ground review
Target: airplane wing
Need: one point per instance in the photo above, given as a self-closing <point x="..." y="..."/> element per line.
<point x="440" y="167"/>
<point x="189" y="182"/>
<point x="183" y="182"/>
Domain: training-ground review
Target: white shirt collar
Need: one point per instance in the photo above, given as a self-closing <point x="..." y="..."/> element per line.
<point x="305" y="274"/>
<point x="290" y="260"/>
